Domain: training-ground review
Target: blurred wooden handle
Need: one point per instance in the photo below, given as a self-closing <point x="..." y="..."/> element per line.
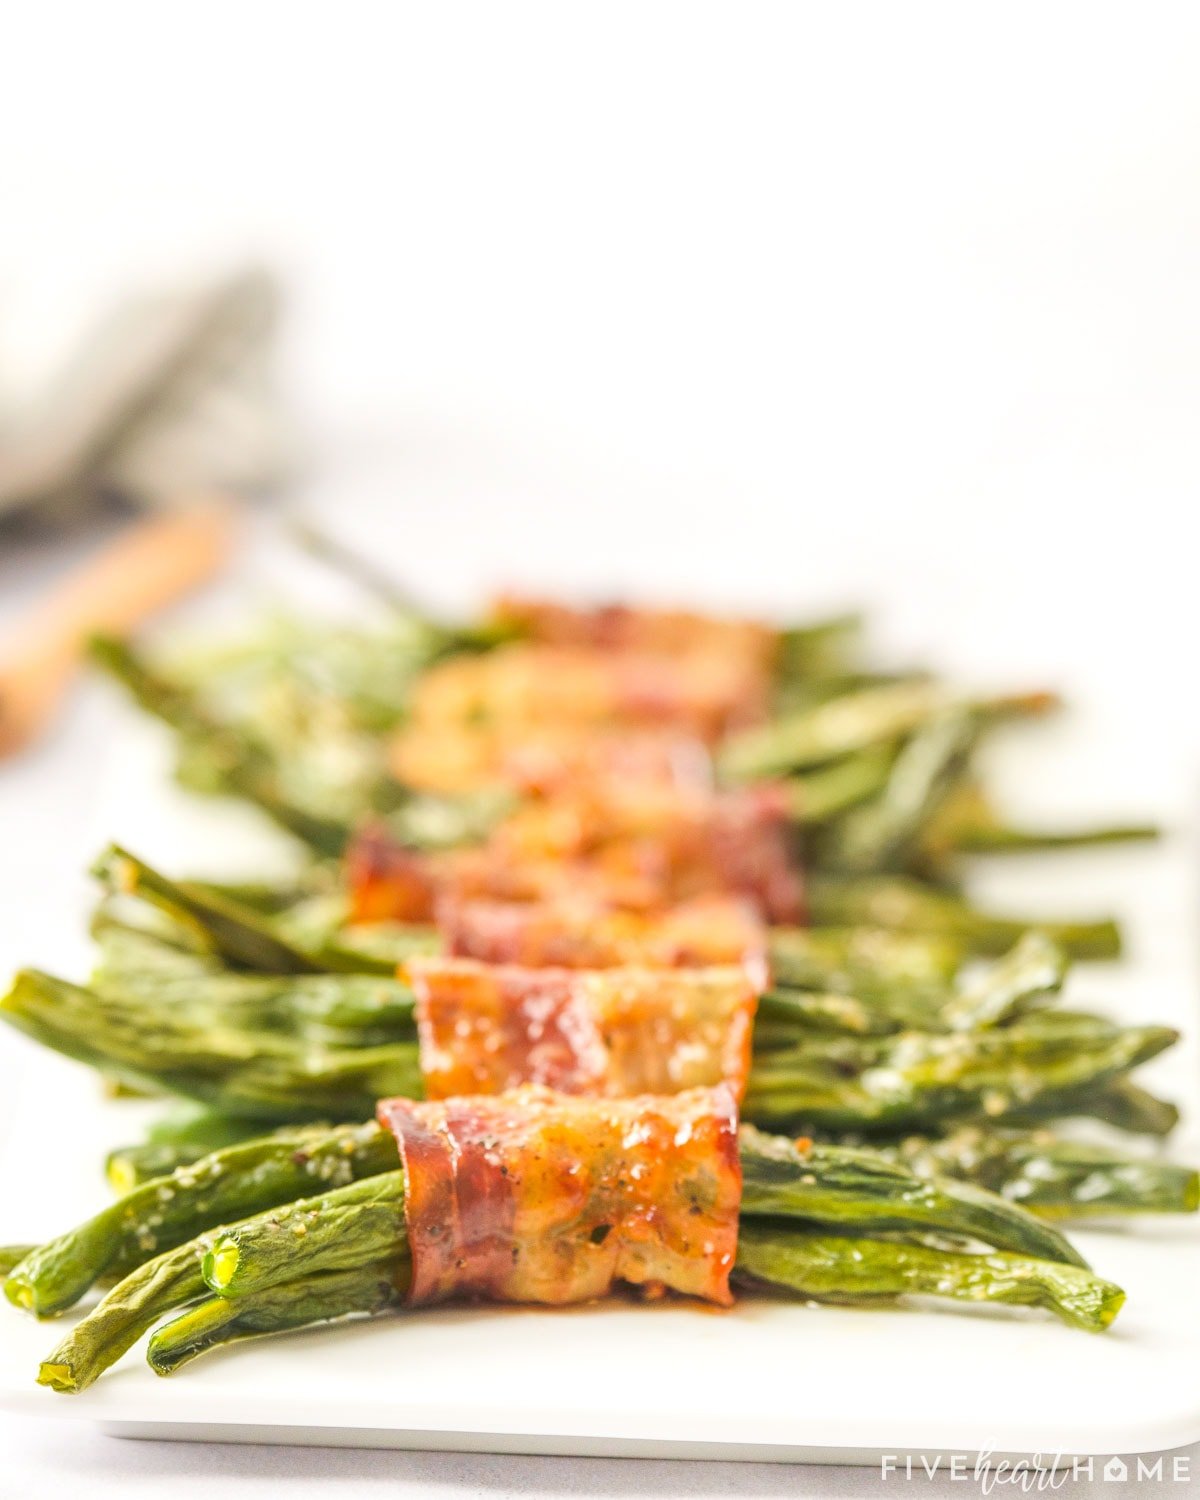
<point x="154" y="563"/>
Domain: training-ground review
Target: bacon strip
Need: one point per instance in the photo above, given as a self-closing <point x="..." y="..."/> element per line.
<point x="583" y="935"/>
<point x="628" y="627"/>
<point x="533" y="1196"/>
<point x="641" y="848"/>
<point x="484" y="1029"/>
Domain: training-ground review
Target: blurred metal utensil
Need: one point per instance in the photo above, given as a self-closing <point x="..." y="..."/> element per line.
<point x="170" y="394"/>
<point x="150" y="565"/>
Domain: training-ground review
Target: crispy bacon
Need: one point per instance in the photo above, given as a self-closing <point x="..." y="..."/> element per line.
<point x="484" y="1029"/>
<point x="631" y="847"/>
<point x="389" y="883"/>
<point x="579" y="934"/>
<point x="533" y="1196"/>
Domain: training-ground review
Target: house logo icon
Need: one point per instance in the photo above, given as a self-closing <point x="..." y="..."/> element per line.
<point x="1115" y="1469"/>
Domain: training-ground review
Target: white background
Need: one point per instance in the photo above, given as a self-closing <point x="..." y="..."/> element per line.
<point x="792" y="305"/>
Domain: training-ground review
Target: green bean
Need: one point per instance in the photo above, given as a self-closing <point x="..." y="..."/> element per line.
<point x="1001" y="838"/>
<point x="880" y="834"/>
<point x="237" y="1071"/>
<point x="820" y="648"/>
<point x="915" y="1080"/>
<point x="361" y="1222"/>
<point x="174" y="1279"/>
<point x="860" y="1190"/>
<point x="187" y="1133"/>
<point x="116" y="1323"/>
<point x="1031" y="975"/>
<point x="239" y="763"/>
<point x="781" y="1012"/>
<point x="363" y="1009"/>
<point x="368" y="1289"/>
<point x="1055" y="1177"/>
<point x="842" y="1269"/>
<point x="1119" y="1102"/>
<point x="128" y="1167"/>
<point x="240" y="934"/>
<point x="868" y="962"/>
<point x="854" y="722"/>
<point x="908" y="906"/>
<point x="167" y="1211"/>
<point x="825" y="793"/>
<point x="11" y="1256"/>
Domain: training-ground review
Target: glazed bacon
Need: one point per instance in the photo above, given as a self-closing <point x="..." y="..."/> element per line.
<point x="533" y="1196"/>
<point x="637" y="848"/>
<point x="484" y="1029"/>
<point x="578" y="934"/>
<point x="644" y="847"/>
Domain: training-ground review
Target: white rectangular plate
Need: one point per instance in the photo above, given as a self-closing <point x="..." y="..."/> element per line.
<point x="766" y="1379"/>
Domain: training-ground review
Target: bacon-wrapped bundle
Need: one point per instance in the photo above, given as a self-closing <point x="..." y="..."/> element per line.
<point x="534" y="1196"/>
<point x="578" y="934"/>
<point x="487" y="1028"/>
<point x="638" y="848"/>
